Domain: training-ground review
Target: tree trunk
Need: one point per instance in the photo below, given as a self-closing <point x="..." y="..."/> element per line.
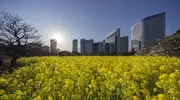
<point x="13" y="62"/>
<point x="16" y="50"/>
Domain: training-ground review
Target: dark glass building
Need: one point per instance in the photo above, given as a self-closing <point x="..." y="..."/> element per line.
<point x="98" y="47"/>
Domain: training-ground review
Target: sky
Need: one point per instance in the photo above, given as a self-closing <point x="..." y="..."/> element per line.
<point x="90" y="19"/>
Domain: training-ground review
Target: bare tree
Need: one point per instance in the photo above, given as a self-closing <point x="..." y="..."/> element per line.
<point x="15" y="33"/>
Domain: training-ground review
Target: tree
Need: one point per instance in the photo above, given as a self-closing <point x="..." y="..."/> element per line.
<point x="15" y="33"/>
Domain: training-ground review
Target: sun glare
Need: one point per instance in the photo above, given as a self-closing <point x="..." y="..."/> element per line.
<point x="59" y="37"/>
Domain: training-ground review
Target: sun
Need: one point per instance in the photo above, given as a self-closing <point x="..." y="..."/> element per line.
<point x="59" y="37"/>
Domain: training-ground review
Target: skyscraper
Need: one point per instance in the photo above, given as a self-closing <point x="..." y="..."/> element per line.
<point x="97" y="47"/>
<point x="136" y="36"/>
<point x="124" y="44"/>
<point x="107" y="48"/>
<point x="83" y="44"/>
<point x="89" y="46"/>
<point x="113" y="40"/>
<point x="75" y="45"/>
<point x="104" y="46"/>
<point x="53" y="44"/>
<point x="148" y="31"/>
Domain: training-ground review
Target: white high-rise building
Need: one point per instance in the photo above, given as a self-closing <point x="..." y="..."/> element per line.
<point x="113" y="39"/>
<point x="148" y="31"/>
<point x="53" y="46"/>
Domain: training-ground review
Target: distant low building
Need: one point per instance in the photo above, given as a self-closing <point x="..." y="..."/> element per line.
<point x="57" y="50"/>
<point x="64" y="53"/>
<point x="33" y="49"/>
<point x="45" y="50"/>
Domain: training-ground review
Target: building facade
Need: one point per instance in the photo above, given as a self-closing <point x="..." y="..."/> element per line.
<point x="45" y="50"/>
<point x="124" y="44"/>
<point x="148" y="31"/>
<point x="104" y="46"/>
<point x="89" y="46"/>
<point x="83" y="44"/>
<point x="97" y="47"/>
<point x="107" y="48"/>
<point x="53" y="46"/>
<point x="113" y="40"/>
<point x="75" y="45"/>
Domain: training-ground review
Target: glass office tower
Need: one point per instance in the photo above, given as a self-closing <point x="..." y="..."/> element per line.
<point x="148" y="31"/>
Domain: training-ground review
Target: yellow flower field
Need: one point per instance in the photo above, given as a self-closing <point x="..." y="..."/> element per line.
<point x="93" y="77"/>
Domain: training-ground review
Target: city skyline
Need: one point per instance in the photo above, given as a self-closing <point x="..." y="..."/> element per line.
<point x="144" y="33"/>
<point x="68" y="20"/>
<point x="114" y="43"/>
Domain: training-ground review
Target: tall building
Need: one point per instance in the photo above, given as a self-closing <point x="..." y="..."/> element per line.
<point x="97" y="47"/>
<point x="112" y="48"/>
<point x="89" y="46"/>
<point x="104" y="46"/>
<point x="107" y="48"/>
<point x="75" y="45"/>
<point x="148" y="31"/>
<point x="53" y="46"/>
<point x="114" y="41"/>
<point x="124" y="44"/>
<point x="83" y="44"/>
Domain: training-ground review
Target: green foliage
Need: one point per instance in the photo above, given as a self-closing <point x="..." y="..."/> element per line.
<point x="168" y="46"/>
<point x="93" y="77"/>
